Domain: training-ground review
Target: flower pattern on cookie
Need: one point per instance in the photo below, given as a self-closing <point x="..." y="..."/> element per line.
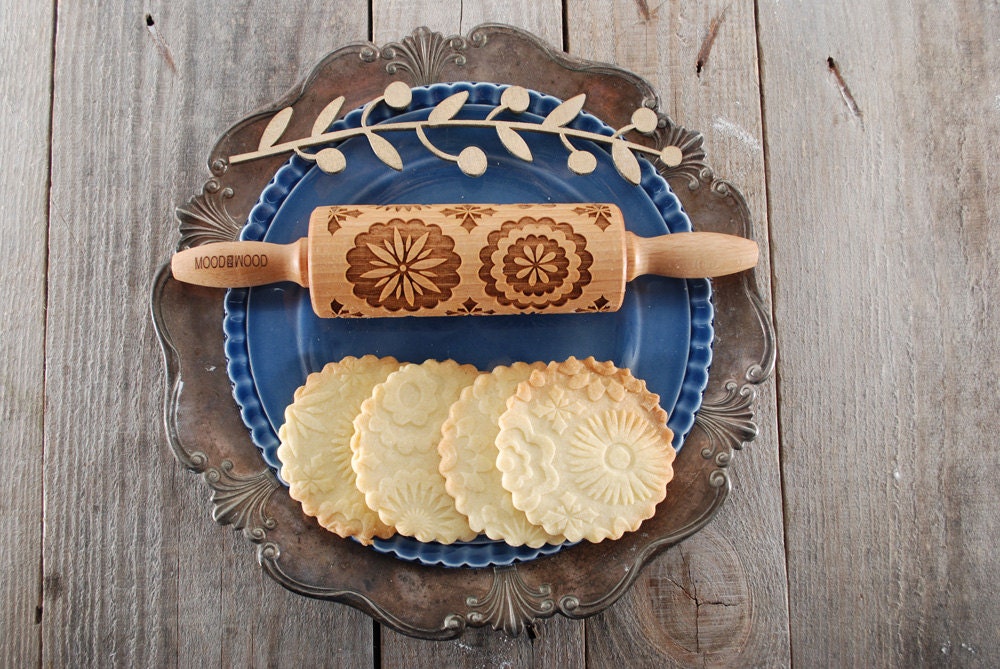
<point x="408" y="265"/>
<point x="396" y="456"/>
<point x="412" y="401"/>
<point x="315" y="448"/>
<point x="569" y="517"/>
<point x="338" y="460"/>
<point x="559" y="408"/>
<point x="617" y="457"/>
<point x="417" y="507"/>
<point x="612" y="453"/>
<point x="530" y="465"/>
<point x="535" y="263"/>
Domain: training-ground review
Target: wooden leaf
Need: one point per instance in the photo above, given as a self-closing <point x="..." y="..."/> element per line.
<point x="514" y="143"/>
<point x="626" y="162"/>
<point x="327" y="116"/>
<point x="275" y="127"/>
<point x="565" y="112"/>
<point x="385" y="151"/>
<point x="448" y="107"/>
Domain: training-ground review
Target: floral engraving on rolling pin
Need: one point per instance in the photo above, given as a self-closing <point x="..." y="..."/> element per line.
<point x="600" y="213"/>
<point x="337" y="215"/>
<point x="469" y="308"/>
<point x="469" y="214"/>
<point x="401" y="264"/>
<point x="534" y="264"/>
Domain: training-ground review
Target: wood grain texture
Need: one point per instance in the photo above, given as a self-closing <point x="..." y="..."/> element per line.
<point x="135" y="572"/>
<point x="664" y="43"/>
<point x="394" y="19"/>
<point x="25" y="82"/>
<point x="882" y="121"/>
<point x="561" y="641"/>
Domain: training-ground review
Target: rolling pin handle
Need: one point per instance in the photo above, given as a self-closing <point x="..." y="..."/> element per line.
<point x="242" y="264"/>
<point x="689" y="255"/>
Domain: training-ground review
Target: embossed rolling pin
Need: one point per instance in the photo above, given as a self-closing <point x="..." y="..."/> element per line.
<point x="465" y="259"/>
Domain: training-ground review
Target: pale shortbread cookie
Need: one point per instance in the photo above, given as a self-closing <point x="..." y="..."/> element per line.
<point x="396" y="436"/>
<point x="315" y="450"/>
<point x="469" y="454"/>
<point x="585" y="450"/>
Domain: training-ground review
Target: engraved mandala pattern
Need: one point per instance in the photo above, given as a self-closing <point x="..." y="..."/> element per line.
<point x="534" y="264"/>
<point x="401" y="264"/>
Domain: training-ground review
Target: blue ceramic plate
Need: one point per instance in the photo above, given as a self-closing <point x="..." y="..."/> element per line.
<point x="663" y="332"/>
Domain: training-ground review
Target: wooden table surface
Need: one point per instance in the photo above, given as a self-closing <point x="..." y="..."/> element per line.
<point x="864" y="519"/>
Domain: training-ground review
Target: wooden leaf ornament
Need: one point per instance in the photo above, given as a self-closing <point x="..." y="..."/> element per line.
<point x="625" y="162"/>
<point x="327" y="116"/>
<point x="385" y="151"/>
<point x="275" y="128"/>
<point x="514" y="143"/>
<point x="565" y="112"/>
<point x="448" y="107"/>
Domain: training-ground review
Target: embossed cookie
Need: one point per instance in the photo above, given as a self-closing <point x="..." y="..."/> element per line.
<point x="315" y="450"/>
<point x="469" y="453"/>
<point x="585" y="450"/>
<point x="396" y="450"/>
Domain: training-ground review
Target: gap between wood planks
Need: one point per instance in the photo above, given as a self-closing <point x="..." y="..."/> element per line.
<point x="776" y="374"/>
<point x="40" y="606"/>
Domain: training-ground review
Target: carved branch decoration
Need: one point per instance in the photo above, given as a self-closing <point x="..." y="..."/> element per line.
<point x="471" y="160"/>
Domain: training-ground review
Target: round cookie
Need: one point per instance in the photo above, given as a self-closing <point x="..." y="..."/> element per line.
<point x="315" y="450"/>
<point x="585" y="450"/>
<point x="469" y="454"/>
<point x="396" y="459"/>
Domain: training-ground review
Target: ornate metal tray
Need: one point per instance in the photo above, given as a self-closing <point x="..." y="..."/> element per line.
<point x="207" y="435"/>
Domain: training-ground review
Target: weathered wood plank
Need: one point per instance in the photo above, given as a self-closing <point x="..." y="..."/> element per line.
<point x="25" y="81"/>
<point x="136" y="572"/>
<point x="882" y="121"/>
<point x="560" y="642"/>
<point x="719" y="598"/>
<point x="395" y="19"/>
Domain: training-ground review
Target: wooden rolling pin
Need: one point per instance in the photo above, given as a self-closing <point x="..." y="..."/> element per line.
<point x="465" y="259"/>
